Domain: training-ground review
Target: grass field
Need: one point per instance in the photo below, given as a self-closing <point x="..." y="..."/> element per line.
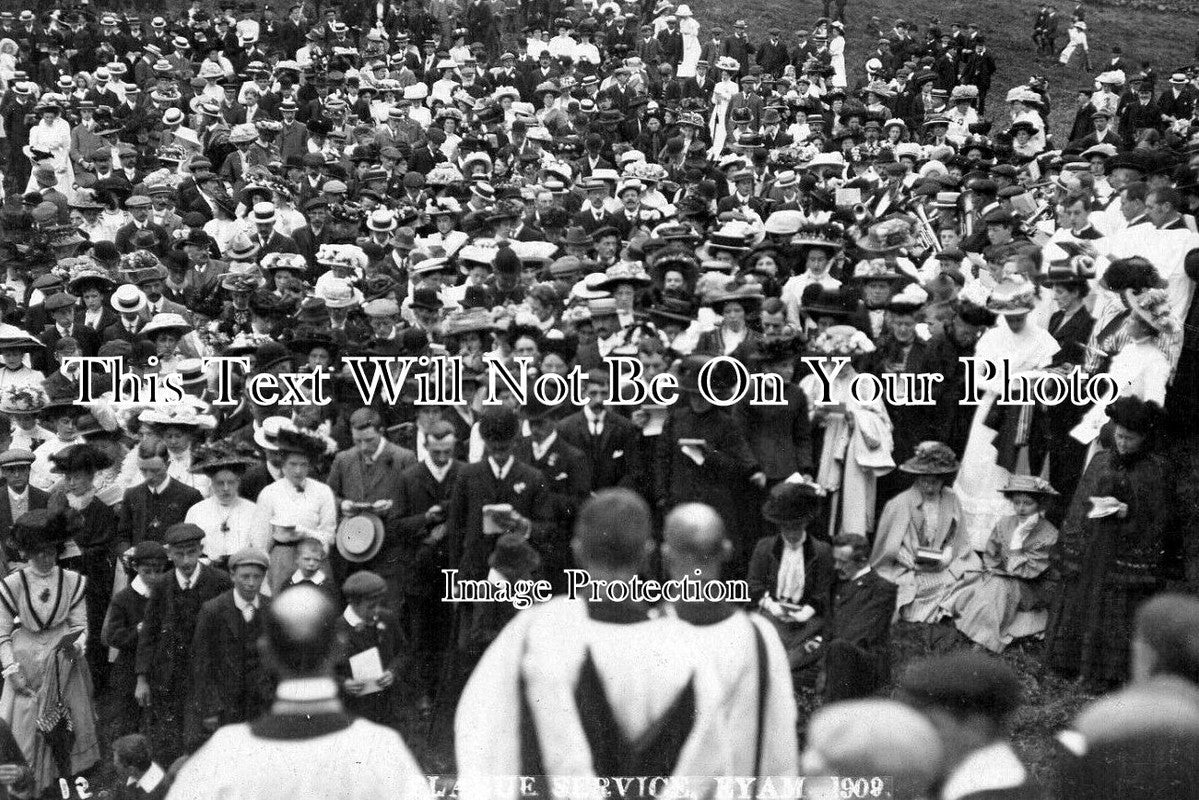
<point x="1166" y="40"/>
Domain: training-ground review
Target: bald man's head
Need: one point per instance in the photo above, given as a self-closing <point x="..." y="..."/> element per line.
<point x="613" y="531"/>
<point x="694" y="538"/>
<point x="300" y="631"/>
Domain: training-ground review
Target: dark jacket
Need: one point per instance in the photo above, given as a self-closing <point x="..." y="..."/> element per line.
<point x="523" y="487"/>
<point x="612" y="457"/>
<point x="145" y="515"/>
<point x="420" y="563"/>
<point x="230" y="682"/>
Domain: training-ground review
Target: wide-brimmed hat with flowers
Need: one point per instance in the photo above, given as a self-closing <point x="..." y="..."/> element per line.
<point x="167" y="322"/>
<point x="1013" y="297"/>
<point x="218" y="456"/>
<point x="887" y="236"/>
<point x="24" y="399"/>
<point x="1029" y="484"/>
<point x="624" y="272"/>
<point x="1153" y="308"/>
<point x="841" y="340"/>
<point x="931" y="458"/>
<point x="179" y="416"/>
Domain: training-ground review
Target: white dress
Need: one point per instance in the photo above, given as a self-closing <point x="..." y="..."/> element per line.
<point x="721" y="95"/>
<point x="55" y="139"/>
<point x="691" y="47"/>
<point x="836" y="51"/>
<point x="981" y="478"/>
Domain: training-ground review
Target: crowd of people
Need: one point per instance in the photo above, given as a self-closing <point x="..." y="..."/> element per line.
<point x="536" y="187"/>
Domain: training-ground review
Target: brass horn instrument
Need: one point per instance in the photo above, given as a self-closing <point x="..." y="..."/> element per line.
<point x="925" y="226"/>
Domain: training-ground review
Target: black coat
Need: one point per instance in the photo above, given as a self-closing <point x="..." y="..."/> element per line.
<point x="523" y="487"/>
<point x="145" y="515"/>
<point x="230" y="682"/>
<point x="385" y="634"/>
<point x="612" y="459"/>
<point x="420" y="563"/>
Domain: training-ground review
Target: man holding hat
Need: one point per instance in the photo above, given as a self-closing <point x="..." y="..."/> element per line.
<point x="231" y="683"/>
<point x="164" y="663"/>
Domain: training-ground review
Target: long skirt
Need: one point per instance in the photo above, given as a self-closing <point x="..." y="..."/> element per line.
<point x="35" y="652"/>
<point x="922" y="594"/>
<point x="985" y="606"/>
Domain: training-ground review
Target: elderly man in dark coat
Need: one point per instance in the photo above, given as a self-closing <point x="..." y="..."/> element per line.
<point x="164" y="646"/>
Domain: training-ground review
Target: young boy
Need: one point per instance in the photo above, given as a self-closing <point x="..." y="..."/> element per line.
<point x="143" y="777"/>
<point x="367" y="624"/>
<point x="310" y="555"/>
<point x="986" y="605"/>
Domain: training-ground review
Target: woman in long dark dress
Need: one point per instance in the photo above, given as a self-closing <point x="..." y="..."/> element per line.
<point x="90" y="550"/>
<point x="1116" y="549"/>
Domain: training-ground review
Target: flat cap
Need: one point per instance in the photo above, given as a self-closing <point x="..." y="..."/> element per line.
<point x="249" y="556"/>
<point x="363" y="584"/>
<point x="183" y="533"/>
<point x="148" y="550"/>
<point x="16" y="458"/>
<point x="963" y="683"/>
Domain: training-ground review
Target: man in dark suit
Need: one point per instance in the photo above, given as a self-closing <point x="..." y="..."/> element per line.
<point x="269" y="240"/>
<point x="424" y="494"/>
<point x="498" y="480"/>
<point x="857" y="658"/>
<point x="609" y="442"/>
<point x="47" y="180"/>
<point x="231" y="685"/>
<point x="164" y="645"/>
<point x="567" y="473"/>
<point x="370" y="472"/>
<point x="17" y="498"/>
<point x="140" y="207"/>
<point x="61" y="308"/>
<point x="153" y="506"/>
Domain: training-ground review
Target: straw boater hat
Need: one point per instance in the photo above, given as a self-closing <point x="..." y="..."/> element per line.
<point x="13" y="338"/>
<point x="931" y="458"/>
<point x="359" y="537"/>
<point x="267" y="435"/>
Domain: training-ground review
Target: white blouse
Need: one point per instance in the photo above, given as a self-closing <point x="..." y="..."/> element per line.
<point x="227" y="528"/>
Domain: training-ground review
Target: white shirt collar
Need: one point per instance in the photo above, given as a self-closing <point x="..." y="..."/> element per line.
<point x="187" y="583"/>
<point x="437" y="472"/>
<point x="306" y="690"/>
<point x="592" y="417"/>
<point x="139" y="586"/>
<point x="378" y="450"/>
<point x="540" y="449"/>
<point x="298" y="576"/>
<point x="160" y="488"/>
<point x="500" y="472"/>
<point x="861" y="572"/>
<point x="351" y="616"/>
<point x="149" y="781"/>
<point x="242" y="605"/>
<point x="987" y="769"/>
<point x="18" y="495"/>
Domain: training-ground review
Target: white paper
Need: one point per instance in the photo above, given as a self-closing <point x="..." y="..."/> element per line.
<point x="657" y="419"/>
<point x="495" y="518"/>
<point x="1104" y="507"/>
<point x="367" y="667"/>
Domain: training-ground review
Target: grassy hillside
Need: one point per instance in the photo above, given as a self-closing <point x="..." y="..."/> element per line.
<point x="1167" y="40"/>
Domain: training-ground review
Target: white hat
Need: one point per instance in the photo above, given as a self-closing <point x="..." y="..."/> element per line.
<point x="264" y="213"/>
<point x="382" y="219"/>
<point x="128" y="299"/>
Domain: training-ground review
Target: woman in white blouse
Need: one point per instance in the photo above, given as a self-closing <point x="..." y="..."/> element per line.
<point x="226" y="517"/>
<point x="308" y="503"/>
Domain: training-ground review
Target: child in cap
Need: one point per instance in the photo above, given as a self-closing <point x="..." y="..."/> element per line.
<point x="367" y="624"/>
<point x="987" y="605"/>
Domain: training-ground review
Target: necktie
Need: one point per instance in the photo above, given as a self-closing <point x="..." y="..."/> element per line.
<point x="248" y="613"/>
